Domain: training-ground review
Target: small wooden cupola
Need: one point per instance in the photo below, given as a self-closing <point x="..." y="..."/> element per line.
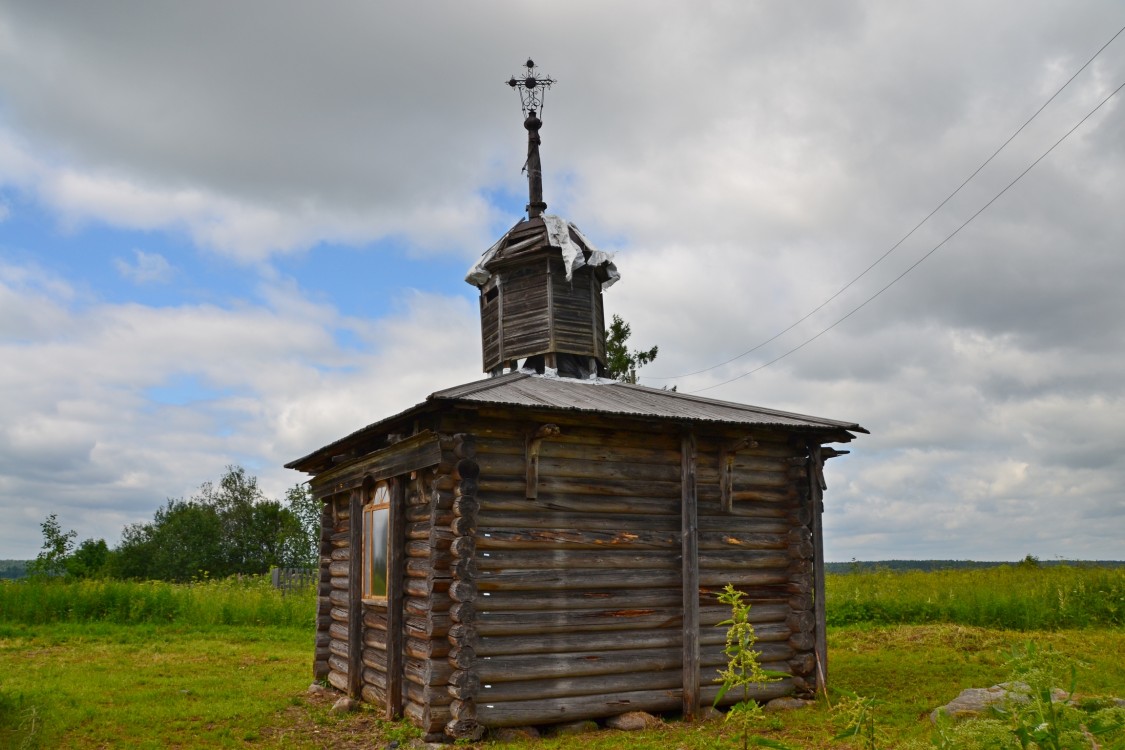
<point x="541" y="284"/>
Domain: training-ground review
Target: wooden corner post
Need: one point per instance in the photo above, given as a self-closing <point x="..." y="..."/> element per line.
<point x="355" y="594"/>
<point x="396" y="573"/>
<point x="689" y="548"/>
<point x="816" y="500"/>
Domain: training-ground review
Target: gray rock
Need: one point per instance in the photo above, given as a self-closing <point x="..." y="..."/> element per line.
<point x="975" y="702"/>
<point x="514" y="734"/>
<point x="317" y="689"/>
<point x="709" y="713"/>
<point x="633" y="721"/>
<point x="344" y="705"/>
<point x="786" y="703"/>
<point x="574" y="727"/>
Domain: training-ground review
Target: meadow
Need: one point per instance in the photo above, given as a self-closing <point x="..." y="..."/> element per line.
<point x="227" y="663"/>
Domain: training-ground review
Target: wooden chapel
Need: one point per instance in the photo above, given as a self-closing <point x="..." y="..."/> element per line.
<point x="546" y="545"/>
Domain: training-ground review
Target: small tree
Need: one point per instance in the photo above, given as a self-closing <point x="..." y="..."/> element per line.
<point x="57" y="545"/>
<point x="622" y="364"/>
<point x="304" y="547"/>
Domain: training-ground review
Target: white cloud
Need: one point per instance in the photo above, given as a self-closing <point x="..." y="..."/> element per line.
<point x="146" y="268"/>
<point x="746" y="160"/>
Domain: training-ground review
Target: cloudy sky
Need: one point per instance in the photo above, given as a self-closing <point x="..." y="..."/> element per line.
<point x="230" y="233"/>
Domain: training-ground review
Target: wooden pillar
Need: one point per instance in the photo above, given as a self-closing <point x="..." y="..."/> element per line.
<point x="816" y="500"/>
<point x="355" y="594"/>
<point x="689" y="548"/>
<point x="396" y="573"/>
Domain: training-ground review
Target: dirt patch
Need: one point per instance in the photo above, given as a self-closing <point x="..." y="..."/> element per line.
<point x="308" y="723"/>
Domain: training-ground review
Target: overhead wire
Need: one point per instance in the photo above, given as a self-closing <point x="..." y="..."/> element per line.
<point x="905" y="237"/>
<point x="918" y="262"/>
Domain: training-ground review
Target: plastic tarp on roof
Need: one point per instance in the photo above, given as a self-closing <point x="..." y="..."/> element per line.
<point x="558" y="235"/>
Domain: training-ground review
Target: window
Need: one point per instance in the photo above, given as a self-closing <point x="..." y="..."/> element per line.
<point x="376" y="538"/>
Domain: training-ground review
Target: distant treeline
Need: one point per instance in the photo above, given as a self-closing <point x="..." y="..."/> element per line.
<point x="13" y="568"/>
<point x="903" y="566"/>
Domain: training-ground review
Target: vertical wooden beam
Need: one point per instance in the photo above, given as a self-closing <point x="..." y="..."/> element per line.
<point x="396" y="572"/>
<point x="355" y="594"/>
<point x="816" y="499"/>
<point x="689" y="548"/>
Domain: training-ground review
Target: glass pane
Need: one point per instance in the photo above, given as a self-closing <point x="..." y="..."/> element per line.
<point x="375" y="539"/>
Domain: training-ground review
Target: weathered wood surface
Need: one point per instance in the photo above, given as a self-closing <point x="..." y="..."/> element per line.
<point x="689" y="594"/>
<point x="524" y="623"/>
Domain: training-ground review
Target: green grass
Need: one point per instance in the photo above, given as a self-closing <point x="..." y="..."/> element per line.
<point x="1016" y="597"/>
<point x="226" y="663"/>
<point x="249" y="600"/>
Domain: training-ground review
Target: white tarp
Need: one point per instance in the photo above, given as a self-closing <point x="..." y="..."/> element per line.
<point x="558" y="235"/>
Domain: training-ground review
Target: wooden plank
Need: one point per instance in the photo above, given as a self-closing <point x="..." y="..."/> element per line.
<point x="396" y="573"/>
<point x="689" y="550"/>
<point x="527" y="560"/>
<point x="489" y="538"/>
<point x="415" y="452"/>
<point x="355" y="596"/>
<point x="816" y="466"/>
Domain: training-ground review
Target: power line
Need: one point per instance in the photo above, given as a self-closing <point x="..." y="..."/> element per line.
<point x="905" y="237"/>
<point x="918" y="262"/>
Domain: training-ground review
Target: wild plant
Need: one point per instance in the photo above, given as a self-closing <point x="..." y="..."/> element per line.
<point x="858" y="714"/>
<point x="743" y="672"/>
<point x="1037" y="714"/>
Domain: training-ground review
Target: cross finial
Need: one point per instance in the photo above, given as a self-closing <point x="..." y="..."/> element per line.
<point x="532" y="88"/>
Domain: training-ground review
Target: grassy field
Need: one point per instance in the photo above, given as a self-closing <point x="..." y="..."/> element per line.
<point x="202" y="666"/>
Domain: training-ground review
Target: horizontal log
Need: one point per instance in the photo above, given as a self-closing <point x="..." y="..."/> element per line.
<point x="534" y="559"/>
<point x="763" y="537"/>
<point x="344" y="553"/>
<point x="427" y="648"/>
<point x="559" y="599"/>
<point x="338" y="664"/>
<point x="429" y="718"/>
<point x="434" y="695"/>
<point x="339" y="648"/>
<point x="425" y="587"/>
<point x="523" y="623"/>
<point x="583" y="663"/>
<point x="375" y="637"/>
<point x="502" y="504"/>
<point x="560" y="447"/>
<point x="579" y="579"/>
<point x="499" y="465"/>
<point x="805" y="641"/>
<point x="376" y="695"/>
<point x="553" y="519"/>
<point x="575" y="708"/>
<point x="607" y="487"/>
<point x="376" y="678"/>
<point x="561" y="643"/>
<point x="339" y="568"/>
<point x="743" y="577"/>
<point x="568" y="687"/>
<point x="340" y="583"/>
<point x="435" y="625"/>
<point x="375" y="658"/>
<point x="759" y="613"/>
<point x="338" y="597"/>
<point x="338" y="680"/>
<point x="375" y="617"/>
<point x="338" y="614"/>
<point x="338" y="631"/>
<point x="427" y="671"/>
<point x="489" y="538"/>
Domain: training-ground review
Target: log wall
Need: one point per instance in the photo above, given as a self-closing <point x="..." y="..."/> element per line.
<point x="578" y="604"/>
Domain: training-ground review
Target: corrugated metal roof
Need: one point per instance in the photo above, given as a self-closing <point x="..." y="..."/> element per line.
<point x="606" y="397"/>
<point x="522" y="389"/>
